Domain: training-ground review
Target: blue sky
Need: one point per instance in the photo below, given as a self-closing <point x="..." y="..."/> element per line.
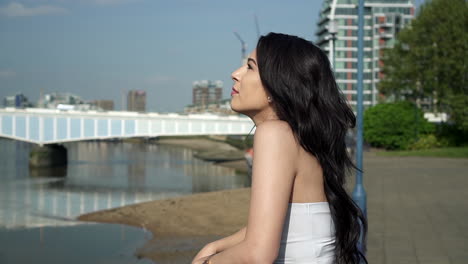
<point x="98" y="48"/>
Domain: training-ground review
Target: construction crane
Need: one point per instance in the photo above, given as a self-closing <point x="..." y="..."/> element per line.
<point x="256" y="26"/>
<point x="244" y="48"/>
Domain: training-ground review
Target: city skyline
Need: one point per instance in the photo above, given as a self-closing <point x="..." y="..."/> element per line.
<point x="97" y="49"/>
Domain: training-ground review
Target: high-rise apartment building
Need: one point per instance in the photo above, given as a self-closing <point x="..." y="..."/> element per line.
<point x="106" y="105"/>
<point x="136" y="101"/>
<point x="337" y="34"/>
<point x="206" y="92"/>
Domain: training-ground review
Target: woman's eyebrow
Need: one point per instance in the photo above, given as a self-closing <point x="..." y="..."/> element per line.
<point x="250" y="59"/>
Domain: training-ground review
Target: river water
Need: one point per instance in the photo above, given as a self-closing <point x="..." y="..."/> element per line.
<point x="38" y="208"/>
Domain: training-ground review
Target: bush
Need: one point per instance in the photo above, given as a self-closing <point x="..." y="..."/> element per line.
<point x="395" y="126"/>
<point x="452" y="135"/>
<point x="427" y="142"/>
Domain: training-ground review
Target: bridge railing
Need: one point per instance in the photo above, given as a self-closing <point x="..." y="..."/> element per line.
<point x="48" y="126"/>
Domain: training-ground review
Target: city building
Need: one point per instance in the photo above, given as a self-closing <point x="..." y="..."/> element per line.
<point x="136" y="101"/>
<point x="337" y="34"/>
<point x="17" y="101"/>
<point x="106" y="105"/>
<point x="206" y="92"/>
<point x="222" y="107"/>
<point x="63" y="101"/>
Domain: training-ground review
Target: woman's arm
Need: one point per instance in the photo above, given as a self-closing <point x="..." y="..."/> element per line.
<point x="221" y="244"/>
<point x="229" y="241"/>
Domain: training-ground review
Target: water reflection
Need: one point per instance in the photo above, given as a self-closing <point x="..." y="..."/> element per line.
<point x="86" y="243"/>
<point x="100" y="175"/>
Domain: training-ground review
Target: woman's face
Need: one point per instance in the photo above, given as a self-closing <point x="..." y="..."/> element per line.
<point x="248" y="96"/>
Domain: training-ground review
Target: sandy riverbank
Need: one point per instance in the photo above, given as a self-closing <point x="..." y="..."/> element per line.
<point x="182" y="225"/>
<point x="211" y="147"/>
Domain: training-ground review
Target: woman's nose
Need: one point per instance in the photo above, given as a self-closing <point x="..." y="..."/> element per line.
<point x="236" y="75"/>
<point x="234" y="78"/>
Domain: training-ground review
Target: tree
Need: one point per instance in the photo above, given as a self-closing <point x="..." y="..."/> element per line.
<point x="429" y="59"/>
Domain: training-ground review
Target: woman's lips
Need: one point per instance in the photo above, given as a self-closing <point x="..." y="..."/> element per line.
<point x="234" y="91"/>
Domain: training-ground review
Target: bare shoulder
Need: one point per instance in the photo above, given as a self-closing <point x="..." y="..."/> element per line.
<point x="276" y="132"/>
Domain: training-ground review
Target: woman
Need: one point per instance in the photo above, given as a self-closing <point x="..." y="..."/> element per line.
<point x="299" y="210"/>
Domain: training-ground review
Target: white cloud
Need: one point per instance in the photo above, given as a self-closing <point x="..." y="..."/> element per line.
<point x="7" y="74"/>
<point x="15" y="9"/>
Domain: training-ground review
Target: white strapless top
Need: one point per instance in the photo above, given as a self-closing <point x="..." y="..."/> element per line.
<point x="308" y="235"/>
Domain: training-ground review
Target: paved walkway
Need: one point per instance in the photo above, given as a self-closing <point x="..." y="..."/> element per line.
<point x="417" y="209"/>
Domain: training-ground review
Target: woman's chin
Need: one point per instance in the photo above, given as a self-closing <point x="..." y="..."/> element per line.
<point x="239" y="109"/>
<point x="233" y="105"/>
<point x="236" y="109"/>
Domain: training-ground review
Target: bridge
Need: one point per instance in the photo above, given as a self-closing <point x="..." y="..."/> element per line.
<point x="48" y="128"/>
<point x="51" y="126"/>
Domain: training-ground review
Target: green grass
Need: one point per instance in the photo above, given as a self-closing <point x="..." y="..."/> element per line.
<point x="453" y="152"/>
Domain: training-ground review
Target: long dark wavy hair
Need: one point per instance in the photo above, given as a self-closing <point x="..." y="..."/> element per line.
<point x="298" y="76"/>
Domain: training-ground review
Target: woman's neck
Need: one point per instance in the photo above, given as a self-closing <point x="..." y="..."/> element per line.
<point x="261" y="117"/>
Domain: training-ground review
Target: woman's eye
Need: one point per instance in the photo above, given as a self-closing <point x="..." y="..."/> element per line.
<point x="248" y="66"/>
